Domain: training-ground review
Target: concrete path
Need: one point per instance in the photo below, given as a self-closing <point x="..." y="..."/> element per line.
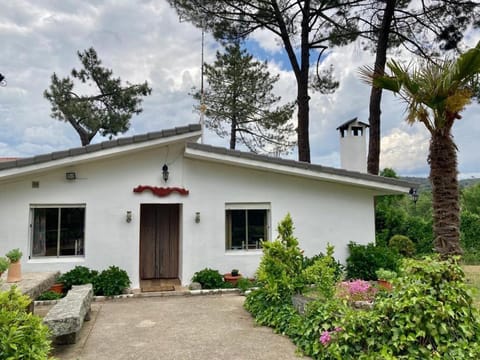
<point x="177" y="327"/>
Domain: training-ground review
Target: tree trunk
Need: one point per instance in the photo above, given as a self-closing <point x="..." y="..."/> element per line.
<point x="302" y="91"/>
<point x="85" y="137"/>
<point x="233" y="134"/>
<point x="303" y="121"/>
<point x="373" y="162"/>
<point x="445" y="193"/>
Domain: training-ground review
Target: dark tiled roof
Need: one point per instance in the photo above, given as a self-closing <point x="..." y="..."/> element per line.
<point x="300" y="165"/>
<point x="344" y="126"/>
<point x="100" y="146"/>
<point x="2" y="159"/>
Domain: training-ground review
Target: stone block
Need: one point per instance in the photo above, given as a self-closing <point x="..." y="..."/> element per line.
<point x="65" y="318"/>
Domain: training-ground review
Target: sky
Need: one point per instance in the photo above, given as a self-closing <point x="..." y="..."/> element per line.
<point x="144" y="40"/>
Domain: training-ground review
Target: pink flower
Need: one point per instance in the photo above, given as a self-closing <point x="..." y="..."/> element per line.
<point x="338" y="329"/>
<point x="356" y="290"/>
<point x="325" y="338"/>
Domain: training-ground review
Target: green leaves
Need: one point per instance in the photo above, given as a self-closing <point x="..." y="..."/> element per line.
<point x="239" y="103"/>
<point x="209" y="279"/>
<point x="428" y="315"/>
<point x="22" y="335"/>
<point x="107" y="111"/>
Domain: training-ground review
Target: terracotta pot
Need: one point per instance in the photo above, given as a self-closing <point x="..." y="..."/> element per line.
<point x="14" y="272"/>
<point x="57" y="287"/>
<point x="384" y="284"/>
<point x="232" y="279"/>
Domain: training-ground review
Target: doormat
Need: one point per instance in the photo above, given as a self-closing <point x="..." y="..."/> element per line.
<point x="155" y="285"/>
<point x="158" y="288"/>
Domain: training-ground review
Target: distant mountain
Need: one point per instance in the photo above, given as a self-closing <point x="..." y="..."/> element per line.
<point x="424" y="183"/>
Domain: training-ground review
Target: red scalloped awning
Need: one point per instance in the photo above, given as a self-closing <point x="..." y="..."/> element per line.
<point x="160" y="191"/>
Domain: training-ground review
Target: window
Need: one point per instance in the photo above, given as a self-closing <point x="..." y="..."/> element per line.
<point x="58" y="230"/>
<point x="247" y="225"/>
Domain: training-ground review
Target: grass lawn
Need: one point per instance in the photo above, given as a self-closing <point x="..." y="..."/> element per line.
<point x="472" y="274"/>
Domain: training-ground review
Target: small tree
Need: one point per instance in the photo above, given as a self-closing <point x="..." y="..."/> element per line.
<point x="239" y="100"/>
<point x="108" y="111"/>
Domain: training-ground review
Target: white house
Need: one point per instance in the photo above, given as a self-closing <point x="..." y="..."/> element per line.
<point x="162" y="206"/>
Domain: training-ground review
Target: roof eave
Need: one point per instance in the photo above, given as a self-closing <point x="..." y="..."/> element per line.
<point x="90" y="153"/>
<point x="378" y="187"/>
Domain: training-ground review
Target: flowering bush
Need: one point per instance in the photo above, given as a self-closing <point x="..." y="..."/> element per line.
<point x="356" y="290"/>
<point x="326" y="336"/>
<point x="429" y="315"/>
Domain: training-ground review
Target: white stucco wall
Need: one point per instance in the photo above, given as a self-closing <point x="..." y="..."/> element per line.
<point x="106" y="188"/>
<point x="322" y="212"/>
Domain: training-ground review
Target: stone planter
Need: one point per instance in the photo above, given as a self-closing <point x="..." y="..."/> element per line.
<point x="14" y="272"/>
<point x="300" y="302"/>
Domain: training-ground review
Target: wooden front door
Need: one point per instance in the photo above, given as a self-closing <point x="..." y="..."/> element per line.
<point x="159" y="239"/>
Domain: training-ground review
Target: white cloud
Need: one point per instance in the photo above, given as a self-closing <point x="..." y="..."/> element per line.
<point x="267" y="41"/>
<point x="144" y="40"/>
<point x="405" y="151"/>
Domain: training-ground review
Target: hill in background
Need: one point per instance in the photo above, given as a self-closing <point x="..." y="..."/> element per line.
<point x="424" y="183"/>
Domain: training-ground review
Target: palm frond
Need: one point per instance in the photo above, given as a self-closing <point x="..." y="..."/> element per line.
<point x="467" y="65"/>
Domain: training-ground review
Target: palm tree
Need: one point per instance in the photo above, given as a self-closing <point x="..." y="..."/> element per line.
<point x="436" y="94"/>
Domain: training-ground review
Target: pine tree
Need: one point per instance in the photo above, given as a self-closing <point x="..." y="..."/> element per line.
<point x="109" y="111"/>
<point x="239" y="103"/>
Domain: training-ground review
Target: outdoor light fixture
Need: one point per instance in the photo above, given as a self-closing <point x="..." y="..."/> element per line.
<point x="70" y="175"/>
<point x="128" y="219"/>
<point x="413" y="193"/>
<point x="197" y="217"/>
<point x="165" y="172"/>
<point x="3" y="82"/>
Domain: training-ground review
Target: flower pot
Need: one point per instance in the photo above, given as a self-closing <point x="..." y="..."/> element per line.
<point x="14" y="272"/>
<point x="57" y="287"/>
<point x="384" y="284"/>
<point x="232" y="279"/>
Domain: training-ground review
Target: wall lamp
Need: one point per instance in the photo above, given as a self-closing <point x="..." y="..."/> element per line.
<point x="197" y="217"/>
<point x="414" y="194"/>
<point x="165" y="172"/>
<point x="3" y="82"/>
<point x="71" y="175"/>
<point x="128" y="218"/>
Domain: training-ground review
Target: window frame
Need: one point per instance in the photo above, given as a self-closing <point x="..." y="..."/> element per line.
<point x="246" y="207"/>
<point x="58" y="207"/>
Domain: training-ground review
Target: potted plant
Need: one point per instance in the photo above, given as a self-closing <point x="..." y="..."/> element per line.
<point x="3" y="264"/>
<point x="232" y="277"/>
<point x="14" y="270"/>
<point x="57" y="287"/>
<point x="385" y="277"/>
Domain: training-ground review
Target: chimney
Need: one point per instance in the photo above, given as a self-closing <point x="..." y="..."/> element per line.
<point x="353" y="145"/>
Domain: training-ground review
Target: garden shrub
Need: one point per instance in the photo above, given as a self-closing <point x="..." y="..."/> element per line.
<point x="283" y="272"/>
<point x="22" y="334"/>
<point x="364" y="260"/>
<point x="49" y="295"/>
<point x="470" y="237"/>
<point x="209" y="279"/>
<point x="281" y="267"/>
<point x="322" y="274"/>
<point x="338" y="267"/>
<point x="112" y="281"/>
<point x="428" y="315"/>
<point x="244" y="284"/>
<point x="79" y="275"/>
<point x="402" y="244"/>
<point x="356" y="290"/>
